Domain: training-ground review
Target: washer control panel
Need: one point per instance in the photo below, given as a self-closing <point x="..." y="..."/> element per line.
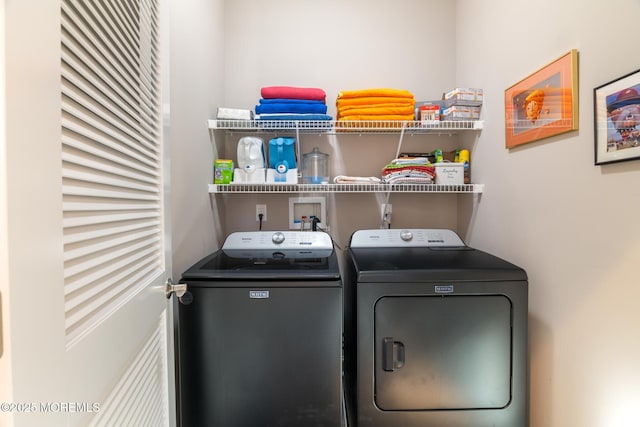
<point x="414" y="237"/>
<point x="280" y="240"/>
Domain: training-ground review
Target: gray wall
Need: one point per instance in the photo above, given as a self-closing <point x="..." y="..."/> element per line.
<point x="571" y="224"/>
<point x="197" y="81"/>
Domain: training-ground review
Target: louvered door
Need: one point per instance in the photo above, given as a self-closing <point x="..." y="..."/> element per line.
<point x="112" y="211"/>
<point x="83" y="226"/>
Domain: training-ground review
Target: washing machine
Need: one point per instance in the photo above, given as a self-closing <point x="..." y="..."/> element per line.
<point x="260" y="334"/>
<point x="435" y="332"/>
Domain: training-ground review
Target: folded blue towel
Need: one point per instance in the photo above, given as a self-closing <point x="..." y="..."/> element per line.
<point x="295" y="121"/>
<point x="294" y="117"/>
<point x="282" y="107"/>
<point x="289" y="101"/>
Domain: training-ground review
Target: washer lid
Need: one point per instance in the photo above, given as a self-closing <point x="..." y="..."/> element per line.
<point x="403" y="238"/>
<point x="269" y="255"/>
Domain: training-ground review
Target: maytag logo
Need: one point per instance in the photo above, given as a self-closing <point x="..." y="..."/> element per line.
<point x="259" y="294"/>
<point x="444" y="289"/>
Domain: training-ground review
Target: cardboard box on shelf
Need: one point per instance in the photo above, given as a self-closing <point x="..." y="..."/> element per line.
<point x="430" y="108"/>
<point x="464" y="96"/>
<point x="458" y="112"/>
<point x="449" y="173"/>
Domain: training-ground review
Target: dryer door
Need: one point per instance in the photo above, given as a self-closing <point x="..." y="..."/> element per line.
<point x="443" y="352"/>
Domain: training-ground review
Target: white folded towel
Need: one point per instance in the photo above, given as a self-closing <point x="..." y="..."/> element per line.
<point x="344" y="179"/>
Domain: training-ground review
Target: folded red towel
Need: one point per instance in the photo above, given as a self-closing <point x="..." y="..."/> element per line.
<point x="292" y="92"/>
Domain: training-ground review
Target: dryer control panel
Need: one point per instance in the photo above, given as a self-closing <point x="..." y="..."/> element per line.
<point x="407" y="237"/>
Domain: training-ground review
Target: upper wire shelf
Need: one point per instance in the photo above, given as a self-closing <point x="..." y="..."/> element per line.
<point x="339" y="126"/>
<point x="346" y="188"/>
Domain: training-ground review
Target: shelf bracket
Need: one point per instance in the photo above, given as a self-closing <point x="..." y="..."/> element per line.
<point x="298" y="157"/>
<point x="402" y="131"/>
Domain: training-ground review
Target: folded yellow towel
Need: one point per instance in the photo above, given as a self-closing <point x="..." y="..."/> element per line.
<point x="373" y="100"/>
<point x="378" y="111"/>
<point x="366" y="117"/>
<point x="397" y="93"/>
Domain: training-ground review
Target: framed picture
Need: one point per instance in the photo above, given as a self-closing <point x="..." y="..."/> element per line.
<point x="617" y="119"/>
<point x="543" y="104"/>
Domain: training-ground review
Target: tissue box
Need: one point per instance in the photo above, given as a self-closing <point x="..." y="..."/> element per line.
<point x="234" y="114"/>
<point x="458" y="112"/>
<point x="464" y="96"/>
<point x="449" y="173"/>
<point x="222" y="171"/>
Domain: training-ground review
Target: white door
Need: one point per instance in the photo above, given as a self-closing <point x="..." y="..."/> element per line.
<point x="84" y="227"/>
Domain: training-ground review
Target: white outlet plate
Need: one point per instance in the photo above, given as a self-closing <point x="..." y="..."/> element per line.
<point x="261" y="209"/>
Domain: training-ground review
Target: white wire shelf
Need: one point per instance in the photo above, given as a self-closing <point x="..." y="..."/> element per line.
<point x="345" y="188"/>
<point x="332" y="127"/>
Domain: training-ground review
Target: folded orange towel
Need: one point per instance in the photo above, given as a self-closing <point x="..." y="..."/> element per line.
<point x="373" y="100"/>
<point x="382" y="110"/>
<point x="383" y="105"/>
<point x="366" y="117"/>
<point x="398" y="93"/>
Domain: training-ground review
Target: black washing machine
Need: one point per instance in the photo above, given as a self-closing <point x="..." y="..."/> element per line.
<point x="435" y="332"/>
<point x="260" y="334"/>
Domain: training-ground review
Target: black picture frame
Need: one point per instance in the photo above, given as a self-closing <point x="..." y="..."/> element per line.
<point x="617" y="119"/>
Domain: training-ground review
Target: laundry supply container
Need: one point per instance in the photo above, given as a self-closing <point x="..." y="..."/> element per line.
<point x="315" y="167"/>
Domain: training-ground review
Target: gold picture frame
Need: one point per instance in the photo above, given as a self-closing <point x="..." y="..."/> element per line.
<point x="544" y="103"/>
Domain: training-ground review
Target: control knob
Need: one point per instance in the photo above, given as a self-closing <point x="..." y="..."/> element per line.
<point x="277" y="237"/>
<point x="406" y="235"/>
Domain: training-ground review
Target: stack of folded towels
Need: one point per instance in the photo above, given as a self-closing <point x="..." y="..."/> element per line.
<point x="375" y="104"/>
<point x="409" y="170"/>
<point x="292" y="103"/>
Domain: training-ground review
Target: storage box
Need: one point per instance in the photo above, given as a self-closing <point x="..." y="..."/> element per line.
<point x="449" y="173"/>
<point x="429" y="113"/>
<point x="464" y="96"/>
<point x="431" y="107"/>
<point x="222" y="171"/>
<point x="458" y="112"/>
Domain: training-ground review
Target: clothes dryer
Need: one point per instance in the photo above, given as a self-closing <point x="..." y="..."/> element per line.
<point x="435" y="332"/>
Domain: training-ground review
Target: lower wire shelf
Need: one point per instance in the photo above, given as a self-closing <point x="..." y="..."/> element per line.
<point x="345" y="188"/>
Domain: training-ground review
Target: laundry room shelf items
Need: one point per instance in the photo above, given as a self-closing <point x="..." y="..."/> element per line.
<point x="337" y="127"/>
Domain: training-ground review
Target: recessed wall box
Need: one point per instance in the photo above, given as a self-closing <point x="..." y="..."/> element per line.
<point x="307" y="207"/>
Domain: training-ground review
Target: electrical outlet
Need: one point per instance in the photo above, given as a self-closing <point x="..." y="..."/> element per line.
<point x="261" y="209"/>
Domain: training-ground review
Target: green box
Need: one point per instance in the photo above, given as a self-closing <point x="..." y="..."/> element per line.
<point x="223" y="171"/>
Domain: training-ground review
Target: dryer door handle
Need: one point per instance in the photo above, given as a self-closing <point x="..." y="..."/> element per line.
<point x="392" y="354"/>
